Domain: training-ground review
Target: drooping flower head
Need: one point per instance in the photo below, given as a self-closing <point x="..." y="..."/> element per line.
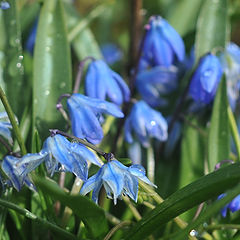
<point x="230" y="61"/>
<point x="206" y="78"/>
<point x="153" y="84"/>
<point x="4" y="5"/>
<point x="103" y="83"/>
<point x="146" y="123"/>
<point x="116" y="179"/>
<point x="162" y="44"/>
<point x="5" y="127"/>
<point x="68" y="156"/>
<point x="85" y="112"/>
<point x="233" y="206"/>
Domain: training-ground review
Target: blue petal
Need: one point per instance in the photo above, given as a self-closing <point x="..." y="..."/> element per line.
<point x="127" y="130"/>
<point x="4" y="5"/>
<point x="91" y="82"/>
<point x="173" y="39"/>
<point x="235" y="204"/>
<point x="131" y="186"/>
<point x="98" y="106"/>
<point x="5" y="132"/>
<point x="139" y="171"/>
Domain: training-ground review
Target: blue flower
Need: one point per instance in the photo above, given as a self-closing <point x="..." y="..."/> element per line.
<point x="5" y="127"/>
<point x="162" y="43"/>
<point x="102" y="82"/>
<point x="4" y="5"/>
<point x="117" y="179"/>
<point x="71" y="156"/>
<point x="111" y="53"/>
<point x="17" y="169"/>
<point x="233" y="206"/>
<point x="153" y="84"/>
<point x="206" y="78"/>
<point x="31" y="38"/>
<point x="85" y="113"/>
<point x="230" y="61"/>
<point x="145" y="122"/>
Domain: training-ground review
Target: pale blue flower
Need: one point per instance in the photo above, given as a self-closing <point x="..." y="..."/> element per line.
<point x="230" y="61"/>
<point x="111" y="53"/>
<point x="68" y="156"/>
<point x="17" y="169"/>
<point x="4" y="5"/>
<point x="233" y="206"/>
<point x="146" y="123"/>
<point x="103" y="83"/>
<point x="155" y="83"/>
<point x="85" y="112"/>
<point x="206" y="78"/>
<point x="117" y="179"/>
<point x="162" y="44"/>
<point x="5" y="127"/>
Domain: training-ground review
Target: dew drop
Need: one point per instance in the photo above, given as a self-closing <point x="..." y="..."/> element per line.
<point x="20" y="57"/>
<point x="19" y="65"/>
<point x="153" y="123"/>
<point x="47" y="92"/>
<point x="193" y="233"/>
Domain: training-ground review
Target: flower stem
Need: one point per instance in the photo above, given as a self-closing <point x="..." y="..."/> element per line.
<point x="234" y="129"/>
<point x="222" y="226"/>
<point x="13" y="121"/>
<point x="33" y="217"/>
<point x="134" y="211"/>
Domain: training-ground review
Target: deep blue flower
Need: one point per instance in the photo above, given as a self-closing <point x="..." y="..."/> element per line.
<point x="71" y="156"/>
<point x="230" y="61"/>
<point x="117" y="179"/>
<point x="17" y="169"/>
<point x="5" y="127"/>
<point x="206" y="78"/>
<point x="162" y="43"/>
<point x="155" y="83"/>
<point x="31" y="38"/>
<point x="4" y="5"/>
<point x="146" y="123"/>
<point x="111" y="53"/>
<point x="233" y="206"/>
<point x="85" y="113"/>
<point x="102" y="82"/>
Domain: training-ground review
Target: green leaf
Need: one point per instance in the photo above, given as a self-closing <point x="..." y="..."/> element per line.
<point x="84" y="42"/>
<point x="219" y="134"/>
<point x="193" y="194"/>
<point x="187" y="8"/>
<point x="14" y="70"/>
<point x="211" y="27"/>
<point x="52" y="67"/>
<point x="92" y="215"/>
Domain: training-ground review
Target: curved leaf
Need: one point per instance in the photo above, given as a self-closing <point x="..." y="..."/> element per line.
<point x="193" y="194"/>
<point x="92" y="215"/>
<point x="52" y="66"/>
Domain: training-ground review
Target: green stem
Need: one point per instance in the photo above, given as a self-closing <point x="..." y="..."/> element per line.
<point x="37" y="219"/>
<point x="134" y="211"/>
<point x="13" y="122"/>
<point x="234" y="130"/>
<point x="222" y="226"/>
<point x="84" y="22"/>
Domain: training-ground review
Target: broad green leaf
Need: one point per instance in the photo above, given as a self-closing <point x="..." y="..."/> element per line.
<point x="211" y="27"/>
<point x="52" y="67"/>
<point x="193" y="194"/>
<point x="92" y="215"/>
<point x="14" y="70"/>
<point x="84" y="43"/>
<point x="219" y="134"/>
<point x="187" y="8"/>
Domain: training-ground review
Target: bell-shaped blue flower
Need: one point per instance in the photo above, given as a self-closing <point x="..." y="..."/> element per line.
<point x="155" y="83"/>
<point x="17" y="169"/>
<point x="85" y="112"/>
<point x="116" y="179"/>
<point x="5" y="127"/>
<point x="111" y="53"/>
<point x="103" y="83"/>
<point x="230" y="61"/>
<point x="206" y="78"/>
<point x="146" y="123"/>
<point x="233" y="206"/>
<point x="71" y="156"/>
<point x="162" y="44"/>
<point x="4" y="5"/>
